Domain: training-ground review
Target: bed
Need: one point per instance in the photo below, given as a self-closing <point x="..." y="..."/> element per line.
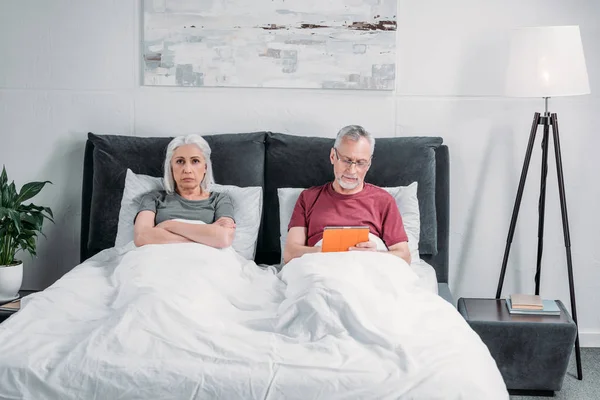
<point x="191" y="322"/>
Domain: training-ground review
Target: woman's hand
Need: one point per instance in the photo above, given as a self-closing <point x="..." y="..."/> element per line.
<point x="219" y="234"/>
<point x="225" y="222"/>
<point x="165" y="224"/>
<point x="145" y="231"/>
<point x="364" y="246"/>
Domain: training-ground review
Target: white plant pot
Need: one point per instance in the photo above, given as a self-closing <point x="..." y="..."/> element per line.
<point x="11" y="278"/>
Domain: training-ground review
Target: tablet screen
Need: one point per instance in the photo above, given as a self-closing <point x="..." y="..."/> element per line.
<point x="340" y="238"/>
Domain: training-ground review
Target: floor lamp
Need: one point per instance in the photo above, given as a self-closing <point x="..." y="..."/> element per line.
<point x="546" y="62"/>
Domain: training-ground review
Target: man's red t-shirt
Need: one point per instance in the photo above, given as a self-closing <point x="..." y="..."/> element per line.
<point x="322" y="206"/>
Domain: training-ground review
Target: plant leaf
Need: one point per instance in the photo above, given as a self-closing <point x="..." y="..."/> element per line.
<point x="30" y="189"/>
<point x="31" y="243"/>
<point x="3" y="177"/>
<point x="32" y="221"/>
<point x="16" y="220"/>
<point x="6" y="197"/>
<point x="20" y="224"/>
<point x="49" y="211"/>
<point x="11" y="196"/>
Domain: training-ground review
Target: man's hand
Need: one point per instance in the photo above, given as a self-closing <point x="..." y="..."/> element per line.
<point x="295" y="245"/>
<point x="364" y="246"/>
<point x="399" y="249"/>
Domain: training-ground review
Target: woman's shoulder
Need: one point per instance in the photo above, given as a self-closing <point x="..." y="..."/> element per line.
<point x="157" y="195"/>
<point x="220" y="196"/>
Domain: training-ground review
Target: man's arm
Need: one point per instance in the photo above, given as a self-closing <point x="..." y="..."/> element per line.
<point x="399" y="249"/>
<point x="219" y="234"/>
<point x="393" y="230"/>
<point x="295" y="244"/>
<point x="146" y="233"/>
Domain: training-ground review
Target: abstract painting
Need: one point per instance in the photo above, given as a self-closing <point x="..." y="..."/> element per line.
<point x="334" y="44"/>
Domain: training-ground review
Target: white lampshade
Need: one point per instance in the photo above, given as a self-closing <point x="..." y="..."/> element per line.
<point x="546" y="61"/>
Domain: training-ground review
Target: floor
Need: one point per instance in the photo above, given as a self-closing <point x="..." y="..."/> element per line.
<point x="573" y="389"/>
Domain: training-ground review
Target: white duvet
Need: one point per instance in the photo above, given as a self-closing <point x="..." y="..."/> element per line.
<point x="188" y="321"/>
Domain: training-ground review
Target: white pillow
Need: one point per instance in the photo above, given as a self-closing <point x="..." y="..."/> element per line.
<point x="136" y="186"/>
<point x="247" y="209"/>
<point x="287" y="202"/>
<point x="408" y="204"/>
<point x="405" y="197"/>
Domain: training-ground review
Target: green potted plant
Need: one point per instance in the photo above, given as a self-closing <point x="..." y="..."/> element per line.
<point x="19" y="226"/>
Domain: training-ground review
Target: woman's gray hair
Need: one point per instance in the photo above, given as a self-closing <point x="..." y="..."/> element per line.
<point x="354" y="132"/>
<point x="179" y="141"/>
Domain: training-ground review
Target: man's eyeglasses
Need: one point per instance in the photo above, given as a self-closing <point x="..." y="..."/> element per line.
<point x="360" y="164"/>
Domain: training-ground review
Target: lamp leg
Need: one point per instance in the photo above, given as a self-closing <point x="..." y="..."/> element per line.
<point x="515" y="213"/>
<point x="565" y="222"/>
<point x="542" y="203"/>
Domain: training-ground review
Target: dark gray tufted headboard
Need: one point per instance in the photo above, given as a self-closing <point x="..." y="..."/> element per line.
<point x="270" y="160"/>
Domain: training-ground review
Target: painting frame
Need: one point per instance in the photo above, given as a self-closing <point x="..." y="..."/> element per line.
<point x="340" y="44"/>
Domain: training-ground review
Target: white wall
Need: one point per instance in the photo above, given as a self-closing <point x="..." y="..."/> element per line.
<point x="69" y="67"/>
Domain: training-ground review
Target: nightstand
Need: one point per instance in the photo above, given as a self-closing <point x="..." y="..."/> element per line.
<point x="5" y="314"/>
<point x="531" y="351"/>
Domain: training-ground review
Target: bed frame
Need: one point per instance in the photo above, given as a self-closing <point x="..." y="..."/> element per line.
<point x="271" y="160"/>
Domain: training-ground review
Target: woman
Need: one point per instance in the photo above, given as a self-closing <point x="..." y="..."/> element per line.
<point x="188" y="174"/>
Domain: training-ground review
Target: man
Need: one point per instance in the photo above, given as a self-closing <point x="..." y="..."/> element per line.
<point x="347" y="201"/>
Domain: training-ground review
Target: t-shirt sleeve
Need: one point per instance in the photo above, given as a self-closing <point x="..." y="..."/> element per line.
<point x="298" y="218"/>
<point x="392" y="225"/>
<point x="147" y="203"/>
<point x="224" y="207"/>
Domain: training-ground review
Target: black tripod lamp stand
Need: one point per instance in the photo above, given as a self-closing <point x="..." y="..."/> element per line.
<point x="546" y="62"/>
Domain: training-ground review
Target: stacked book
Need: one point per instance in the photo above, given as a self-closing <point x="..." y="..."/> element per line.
<point x="13" y="306"/>
<point x="528" y="304"/>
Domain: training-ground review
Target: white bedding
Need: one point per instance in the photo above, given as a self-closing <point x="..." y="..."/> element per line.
<point x="188" y="321"/>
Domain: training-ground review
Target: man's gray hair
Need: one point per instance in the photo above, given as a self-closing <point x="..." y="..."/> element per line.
<point x="354" y="132"/>
<point x="179" y="141"/>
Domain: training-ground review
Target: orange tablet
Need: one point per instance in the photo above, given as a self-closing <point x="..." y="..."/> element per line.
<point x="340" y="238"/>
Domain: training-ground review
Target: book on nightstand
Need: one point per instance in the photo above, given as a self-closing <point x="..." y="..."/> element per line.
<point x="526" y="302"/>
<point x="13" y="306"/>
<point x="549" y="307"/>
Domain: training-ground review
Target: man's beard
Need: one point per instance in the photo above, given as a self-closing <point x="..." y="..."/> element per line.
<point x="347" y="185"/>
